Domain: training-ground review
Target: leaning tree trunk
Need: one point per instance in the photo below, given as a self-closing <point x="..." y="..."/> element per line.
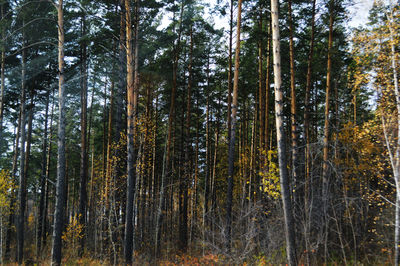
<point x="231" y="152"/>
<point x="61" y="162"/>
<point x="280" y="137"/>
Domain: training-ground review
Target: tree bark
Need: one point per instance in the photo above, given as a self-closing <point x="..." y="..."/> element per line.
<point x="61" y="162"/>
<point x="231" y="152"/>
<point x="280" y="137"/>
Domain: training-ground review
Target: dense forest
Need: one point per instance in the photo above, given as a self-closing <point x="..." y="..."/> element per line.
<point x="143" y="132"/>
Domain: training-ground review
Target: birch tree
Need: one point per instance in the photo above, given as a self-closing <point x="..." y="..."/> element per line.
<point x="281" y="139"/>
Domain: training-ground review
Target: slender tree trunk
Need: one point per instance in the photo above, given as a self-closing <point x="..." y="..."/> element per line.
<point x="231" y="152"/>
<point x="129" y="234"/>
<point x="61" y="162"/>
<point x="154" y="168"/>
<point x="208" y="147"/>
<point x="183" y="231"/>
<point x="230" y="70"/>
<point x="267" y="89"/>
<point x="118" y="112"/>
<point x="293" y="109"/>
<point x="280" y="138"/>
<point x="22" y="176"/>
<point x="43" y="181"/>
<point x="135" y="108"/>
<point x="27" y="156"/>
<point x="307" y="130"/>
<point x="196" y="173"/>
<point x="84" y="158"/>
<point x="396" y="157"/>
<point x="9" y="231"/>
<point x="261" y="92"/>
<point x="47" y="175"/>
<point x="325" y="167"/>
<point x="3" y="63"/>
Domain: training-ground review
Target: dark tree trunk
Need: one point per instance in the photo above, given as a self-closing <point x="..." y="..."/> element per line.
<point x="307" y="128"/>
<point x="183" y="231"/>
<point x="2" y="77"/>
<point x="261" y="92"/>
<point x="42" y="181"/>
<point x="231" y="152"/>
<point x="129" y="234"/>
<point x="230" y="70"/>
<point x="325" y="166"/>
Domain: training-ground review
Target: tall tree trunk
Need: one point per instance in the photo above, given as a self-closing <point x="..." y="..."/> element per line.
<point x="47" y="175"/>
<point x="118" y="169"/>
<point x="280" y="138"/>
<point x="208" y="147"/>
<point x="42" y="181"/>
<point x="183" y="231"/>
<point x="267" y="88"/>
<point x="230" y="70"/>
<point x="9" y="231"/>
<point x="325" y="167"/>
<point x="307" y="129"/>
<point x="131" y="90"/>
<point x="196" y="174"/>
<point x="41" y="233"/>
<point x="293" y="109"/>
<point x="61" y="162"/>
<point x="22" y="176"/>
<point x="231" y="152"/>
<point x="395" y="158"/>
<point x="2" y="69"/>
<point x="84" y="158"/>
<point x="135" y="108"/>
<point x="261" y="92"/>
